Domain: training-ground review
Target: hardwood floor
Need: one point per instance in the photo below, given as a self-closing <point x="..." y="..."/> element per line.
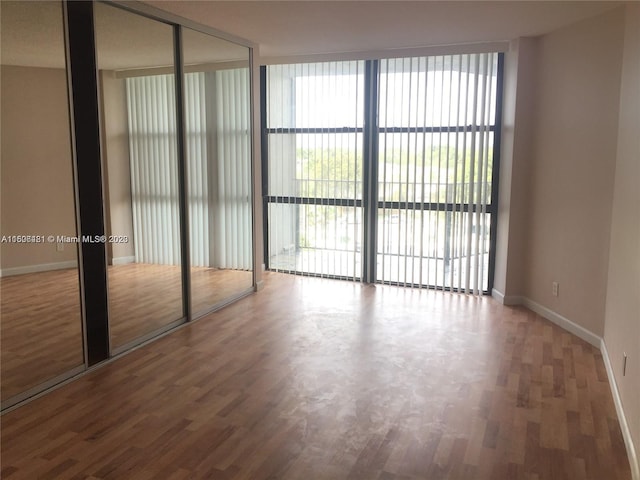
<point x="320" y="379"/>
<point x="40" y="314"/>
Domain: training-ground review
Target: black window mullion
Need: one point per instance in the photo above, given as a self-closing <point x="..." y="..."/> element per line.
<point x="264" y="154"/>
<point x="341" y="202"/>
<point x="495" y="173"/>
<point x="370" y="172"/>
<point x="434" y="206"/>
<point x="436" y="129"/>
<point x="312" y="130"/>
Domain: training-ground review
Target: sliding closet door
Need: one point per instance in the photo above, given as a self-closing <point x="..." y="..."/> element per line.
<point x="140" y="166"/>
<point x="42" y="339"/>
<point x="218" y="164"/>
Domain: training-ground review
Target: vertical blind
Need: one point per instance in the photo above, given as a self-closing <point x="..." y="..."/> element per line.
<point x="429" y="171"/>
<point x="197" y="146"/>
<point x="436" y="122"/>
<point x="231" y="182"/>
<point x="315" y="125"/>
<point x="154" y="169"/>
<point x="218" y="162"/>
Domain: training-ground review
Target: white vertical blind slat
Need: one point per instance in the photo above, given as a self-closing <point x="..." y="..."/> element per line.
<point x="151" y="114"/>
<point x="153" y="156"/>
<point x="442" y="247"/>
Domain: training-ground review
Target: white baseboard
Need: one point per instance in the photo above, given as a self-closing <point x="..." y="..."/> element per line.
<point x="43" y="267"/>
<point x="624" y="425"/>
<point x="259" y="285"/>
<point x="123" y="260"/>
<point x="563" y="322"/>
<point x="550" y="315"/>
<point x="498" y="296"/>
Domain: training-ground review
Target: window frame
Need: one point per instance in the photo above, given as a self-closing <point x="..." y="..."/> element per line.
<point x="370" y="202"/>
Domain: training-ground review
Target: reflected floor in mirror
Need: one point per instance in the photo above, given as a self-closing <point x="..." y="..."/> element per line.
<point x="41" y="327"/>
<point x="146" y="297"/>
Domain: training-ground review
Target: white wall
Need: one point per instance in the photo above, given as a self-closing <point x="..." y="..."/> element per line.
<point x="573" y="156"/>
<point x="116" y="167"/>
<point x="622" y="313"/>
<point x="36" y="168"/>
<point x="515" y="161"/>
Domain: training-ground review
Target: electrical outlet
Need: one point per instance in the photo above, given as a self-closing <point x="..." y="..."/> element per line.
<point x="624" y="363"/>
<point x="555" y="287"/>
<point x="59" y="247"/>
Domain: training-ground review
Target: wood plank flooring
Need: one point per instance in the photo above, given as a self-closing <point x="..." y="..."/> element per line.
<point x="320" y="379"/>
<point x="41" y="332"/>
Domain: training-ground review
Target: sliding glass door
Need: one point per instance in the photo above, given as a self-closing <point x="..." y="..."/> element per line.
<point x="396" y="175"/>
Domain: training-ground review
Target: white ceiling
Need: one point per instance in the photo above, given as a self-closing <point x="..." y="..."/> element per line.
<point x="32" y="31"/>
<point x="311" y="27"/>
<point x="32" y="35"/>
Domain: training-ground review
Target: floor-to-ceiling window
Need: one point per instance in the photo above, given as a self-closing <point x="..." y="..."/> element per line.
<point x="315" y="123"/>
<point x="423" y="169"/>
<point x="436" y="118"/>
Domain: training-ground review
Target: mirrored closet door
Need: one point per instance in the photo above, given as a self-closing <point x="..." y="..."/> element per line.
<point x="135" y="56"/>
<point x="142" y="219"/>
<point x="218" y="161"/>
<point x="41" y="322"/>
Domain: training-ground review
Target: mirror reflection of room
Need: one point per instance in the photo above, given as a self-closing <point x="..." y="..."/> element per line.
<point x="140" y="162"/>
<point x="140" y="169"/>
<point x="218" y="147"/>
<point x="41" y="327"/>
<point x="41" y="319"/>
